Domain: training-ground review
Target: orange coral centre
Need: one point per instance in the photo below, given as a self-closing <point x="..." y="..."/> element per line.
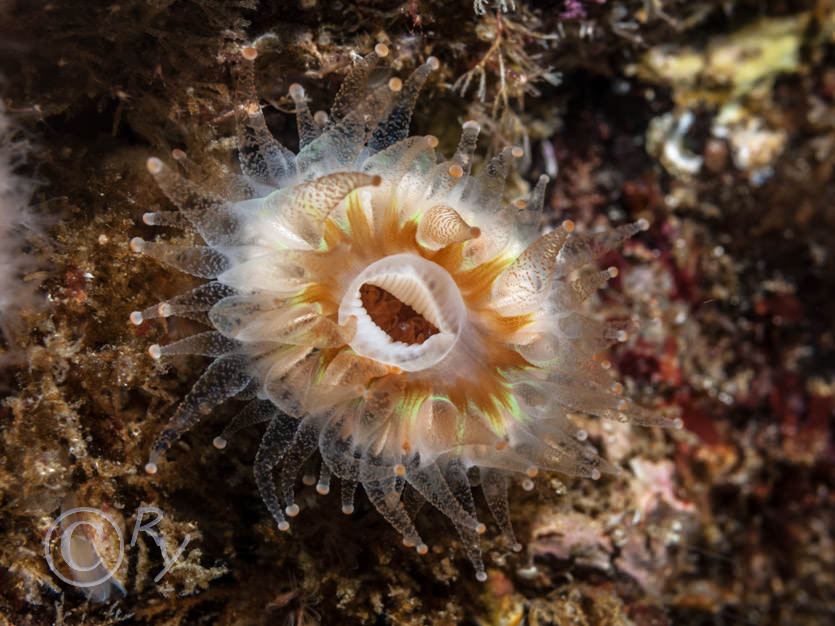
<point x="362" y="242"/>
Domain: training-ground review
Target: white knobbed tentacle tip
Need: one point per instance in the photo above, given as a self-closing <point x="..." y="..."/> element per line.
<point x="433" y="63"/>
<point x="249" y="53"/>
<point x="296" y="92"/>
<point x="284" y="526"/>
<point x="568" y="226"/>
<point x="149" y="218"/>
<point x="517" y="152"/>
<point x="137" y="244"/>
<point x="581" y="435"/>
<point x="178" y="155"/>
<point x="154" y="351"/>
<point x="595" y="474"/>
<point x="399" y="470"/>
<point x="136" y="318"/>
<point x="516" y="547"/>
<point x="219" y="443"/>
<point x="150" y="468"/>
<point x="481" y="576"/>
<point x="322" y="489"/>
<point x="292" y="510"/>
<point x="613" y="271"/>
<point x="471" y="124"/>
<point x="382" y="50"/>
<point x="154" y="165"/>
<point x="348" y="509"/>
<point x="395" y="84"/>
<point x="422" y="548"/>
<point x="527" y="484"/>
<point x="643" y="224"/>
<point x="480" y="528"/>
<point x="678" y="423"/>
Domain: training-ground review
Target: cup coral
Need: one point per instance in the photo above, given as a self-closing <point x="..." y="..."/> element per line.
<point x="388" y="310"/>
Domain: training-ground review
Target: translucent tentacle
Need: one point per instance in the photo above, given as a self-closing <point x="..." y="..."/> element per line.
<point x="308" y="129"/>
<point x="393" y="162"/>
<point x="386" y="500"/>
<point x="304" y="444"/>
<point x="430" y="482"/>
<point x="323" y="485"/>
<point x="526" y="282"/>
<point x="442" y="225"/>
<point x="225" y="377"/>
<point x="256" y="412"/>
<point x="173" y="219"/>
<point x="590" y="282"/>
<point x="339" y="146"/>
<point x="583" y="249"/>
<point x="192" y="304"/>
<point x="210" y="215"/>
<point x="466" y="146"/>
<point x="273" y="446"/>
<point x="354" y="85"/>
<point x="349" y="488"/>
<point x="529" y="220"/>
<point x="298" y="214"/>
<point x="210" y="343"/>
<point x="490" y="183"/>
<point x="494" y="487"/>
<point x="348" y="369"/>
<point x="201" y="261"/>
<point x="459" y="484"/>
<point x="288" y="381"/>
<point x="396" y="126"/>
<point x="261" y="156"/>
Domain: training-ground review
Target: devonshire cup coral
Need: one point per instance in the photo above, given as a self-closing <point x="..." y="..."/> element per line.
<point x="387" y="310"/>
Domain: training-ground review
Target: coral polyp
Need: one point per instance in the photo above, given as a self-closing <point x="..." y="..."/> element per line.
<point x="386" y="309"/>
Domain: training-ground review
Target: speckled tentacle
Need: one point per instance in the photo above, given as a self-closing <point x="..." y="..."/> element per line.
<point x="209" y="343"/>
<point x="211" y="216"/>
<point x="354" y="86"/>
<point x="396" y="126"/>
<point x="262" y="157"/>
<point x="529" y="220"/>
<point x="225" y="377"/>
<point x="583" y="249"/>
<point x="298" y="214"/>
<point x="385" y="499"/>
<point x="456" y="477"/>
<point x="494" y="487"/>
<point x="255" y="412"/>
<point x="274" y="444"/>
<point x="308" y="129"/>
<point x="430" y="482"/>
<point x="192" y="304"/>
<point x="526" y="282"/>
<point x="201" y="261"/>
<point x="338" y="147"/>
<point x="304" y="444"/>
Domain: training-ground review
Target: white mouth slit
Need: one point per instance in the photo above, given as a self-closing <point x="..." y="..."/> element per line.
<point x="420" y="284"/>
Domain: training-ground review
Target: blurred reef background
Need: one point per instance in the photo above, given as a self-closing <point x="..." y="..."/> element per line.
<point x="713" y="119"/>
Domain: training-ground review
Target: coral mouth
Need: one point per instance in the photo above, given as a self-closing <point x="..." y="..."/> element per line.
<point x="400" y="321"/>
<point x="409" y="312"/>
